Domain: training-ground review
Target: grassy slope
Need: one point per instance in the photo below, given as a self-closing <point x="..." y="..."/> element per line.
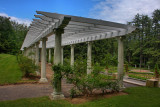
<point x="138" y="97"/>
<point x="9" y="69"/>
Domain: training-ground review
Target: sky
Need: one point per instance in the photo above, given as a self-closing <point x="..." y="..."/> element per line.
<point x="120" y="11"/>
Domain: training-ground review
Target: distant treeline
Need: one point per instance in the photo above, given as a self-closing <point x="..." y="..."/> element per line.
<point x="142" y="47"/>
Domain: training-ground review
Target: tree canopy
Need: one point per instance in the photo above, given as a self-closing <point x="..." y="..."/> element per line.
<point x="12" y="35"/>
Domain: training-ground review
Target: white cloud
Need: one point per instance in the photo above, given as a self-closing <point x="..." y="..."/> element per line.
<point x="123" y="10"/>
<point x="19" y="20"/>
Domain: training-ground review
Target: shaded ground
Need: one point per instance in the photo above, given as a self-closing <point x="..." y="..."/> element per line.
<point x="13" y="92"/>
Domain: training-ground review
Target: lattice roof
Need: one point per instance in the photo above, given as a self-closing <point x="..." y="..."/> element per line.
<point x="76" y="29"/>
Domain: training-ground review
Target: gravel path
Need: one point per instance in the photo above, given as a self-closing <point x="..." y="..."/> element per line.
<point x="13" y="92"/>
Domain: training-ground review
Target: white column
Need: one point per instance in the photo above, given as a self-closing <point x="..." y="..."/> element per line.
<point x="32" y="53"/>
<point x="43" y="62"/>
<point x="57" y="50"/>
<point x="57" y="94"/>
<point x="120" y="61"/>
<point x="40" y="54"/>
<point x="72" y="55"/>
<point x="37" y="54"/>
<point x="62" y="55"/>
<point x="37" y="57"/>
<point x="53" y="54"/>
<point x="25" y="51"/>
<point x="49" y="59"/>
<point x="89" y="58"/>
<point x="28" y="51"/>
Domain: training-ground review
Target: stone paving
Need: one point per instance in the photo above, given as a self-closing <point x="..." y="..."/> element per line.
<point x="134" y="81"/>
<point x="137" y="82"/>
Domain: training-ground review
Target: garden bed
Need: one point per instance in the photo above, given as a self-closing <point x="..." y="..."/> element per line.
<point x="83" y="99"/>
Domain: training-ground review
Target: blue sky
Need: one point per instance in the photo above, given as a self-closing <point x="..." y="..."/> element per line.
<point x="120" y="11"/>
<point x="27" y="8"/>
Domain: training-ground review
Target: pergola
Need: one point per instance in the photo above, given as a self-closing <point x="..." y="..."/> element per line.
<point x="53" y="30"/>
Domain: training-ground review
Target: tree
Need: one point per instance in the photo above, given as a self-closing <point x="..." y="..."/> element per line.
<point x="11" y="35"/>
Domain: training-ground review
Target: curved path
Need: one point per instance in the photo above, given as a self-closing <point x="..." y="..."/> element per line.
<point x="13" y="92"/>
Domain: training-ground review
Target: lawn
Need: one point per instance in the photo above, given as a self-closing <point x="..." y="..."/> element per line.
<point x="9" y="69"/>
<point x="141" y="76"/>
<point x="137" y="97"/>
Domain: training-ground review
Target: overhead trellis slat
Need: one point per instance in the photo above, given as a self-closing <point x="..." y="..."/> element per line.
<point x="76" y="29"/>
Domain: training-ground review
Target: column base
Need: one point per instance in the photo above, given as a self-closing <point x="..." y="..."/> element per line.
<point x="43" y="80"/>
<point x="55" y="96"/>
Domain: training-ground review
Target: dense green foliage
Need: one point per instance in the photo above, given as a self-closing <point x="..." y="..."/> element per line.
<point x="26" y="65"/>
<point x="138" y="97"/>
<point x="142" y="46"/>
<point x="84" y="83"/>
<point x="156" y="71"/>
<point x="9" y="69"/>
<point x="12" y="35"/>
<point x="103" y="52"/>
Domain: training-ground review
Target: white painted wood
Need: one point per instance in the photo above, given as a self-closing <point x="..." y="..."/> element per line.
<point x="78" y="30"/>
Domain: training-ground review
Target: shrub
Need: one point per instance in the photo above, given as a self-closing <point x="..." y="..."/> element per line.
<point x="26" y="65"/>
<point x="126" y="66"/>
<point x="109" y="60"/>
<point x="83" y="84"/>
<point x="57" y="77"/>
<point x="156" y="71"/>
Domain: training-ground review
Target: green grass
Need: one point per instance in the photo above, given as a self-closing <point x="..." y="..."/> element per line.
<point x="142" y="76"/>
<point x="137" y="97"/>
<point x="112" y="69"/>
<point x="137" y="77"/>
<point x="9" y="69"/>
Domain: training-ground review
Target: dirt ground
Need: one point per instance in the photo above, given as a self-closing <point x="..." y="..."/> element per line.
<point x="138" y="70"/>
<point x="83" y="99"/>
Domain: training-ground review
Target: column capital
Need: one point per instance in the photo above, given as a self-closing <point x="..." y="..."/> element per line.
<point x="72" y="45"/>
<point x="37" y="43"/>
<point x="58" y="31"/>
<point x="89" y="42"/>
<point x="121" y="37"/>
<point x="45" y="38"/>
